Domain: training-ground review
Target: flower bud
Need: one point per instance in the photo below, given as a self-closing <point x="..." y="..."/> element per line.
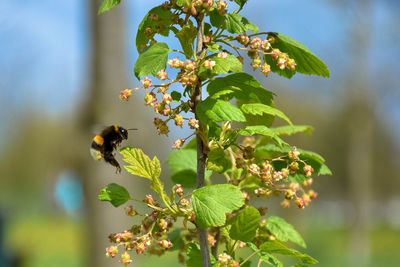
<point x="178" y="143"/>
<point x="291" y="64"/>
<point x="312" y="194"/>
<point x="126" y="94"/>
<point x="159" y="107"/>
<point x="300" y="203"/>
<point x="285" y="172"/>
<point x="246" y="196"/>
<point x="221" y="7"/>
<point x="224" y="258"/>
<point x="179" y="189"/>
<point x="256" y="62"/>
<point x="243" y="39"/>
<point x="209" y="64"/>
<point x="150" y="98"/>
<point x="111" y="251"/>
<point x="140" y="248"/>
<point x="260" y="192"/>
<point x="185" y="203"/>
<point x="193" y="123"/>
<point x="130" y="211"/>
<point x="255" y="43"/>
<point x="165" y="244"/>
<point x="294" y="154"/>
<point x="265" y="45"/>
<point x="265" y="69"/>
<point x="162" y="223"/>
<point x="277" y="176"/>
<point x="167" y="98"/>
<point x="307" y="182"/>
<point x="163" y="129"/>
<point x="294" y="186"/>
<point x="211" y="240"/>
<point x="289" y="194"/>
<point x="222" y="55"/>
<point x="294" y="166"/>
<point x="308" y="170"/>
<point x="254" y="169"/>
<point x="285" y="203"/>
<point x="125" y="258"/>
<point x="234" y="263"/>
<point x="306" y="199"/>
<point x="176" y="63"/>
<point x="146" y="82"/>
<point x="126" y="236"/>
<point x="162" y="75"/>
<point x="179" y="120"/>
<point x="149" y="199"/>
<point x="275" y="53"/>
<point x="190" y="65"/>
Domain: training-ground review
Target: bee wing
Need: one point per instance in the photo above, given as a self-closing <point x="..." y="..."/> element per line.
<point x="98" y="128"/>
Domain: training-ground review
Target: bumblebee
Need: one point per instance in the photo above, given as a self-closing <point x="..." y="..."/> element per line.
<point x="104" y="144"/>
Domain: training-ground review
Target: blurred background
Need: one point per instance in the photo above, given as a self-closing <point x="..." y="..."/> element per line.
<point x="61" y="70"/>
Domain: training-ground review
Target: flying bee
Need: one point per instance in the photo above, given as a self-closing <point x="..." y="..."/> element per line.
<point x="104" y="144"/>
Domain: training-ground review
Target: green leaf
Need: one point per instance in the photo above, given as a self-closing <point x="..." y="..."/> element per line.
<point x="176" y="96"/>
<point x="187" y="178"/>
<point x="246" y="90"/>
<point x="245" y="224"/>
<point x="236" y="23"/>
<point x="225" y="65"/>
<point x="161" y="26"/>
<point x="213" y="47"/>
<point x="240" y="2"/>
<point x="307" y="62"/>
<point x="211" y="203"/>
<point x="262" y="130"/>
<point x="115" y="194"/>
<point x="215" y="110"/>
<point x="259" y="109"/>
<point x="184" y="3"/>
<point x="232" y="22"/>
<point x="277" y="247"/>
<point x="266" y="257"/>
<point x="251" y="182"/>
<point x="107" y="5"/>
<point x="194" y="255"/>
<point x="186" y="37"/>
<point x="298" y="178"/>
<point x="140" y="163"/>
<point x="242" y="86"/>
<point x="152" y="60"/>
<point x="289" y="130"/>
<point x="217" y="160"/>
<point x="284" y="231"/>
<point x="183" y="166"/>
<point x="176" y="239"/>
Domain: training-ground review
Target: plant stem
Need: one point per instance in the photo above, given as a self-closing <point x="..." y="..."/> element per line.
<point x="214" y="249"/>
<point x="249" y="257"/>
<point x="201" y="156"/>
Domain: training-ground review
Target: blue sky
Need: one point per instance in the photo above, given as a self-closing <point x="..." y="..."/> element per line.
<point x="44" y="49"/>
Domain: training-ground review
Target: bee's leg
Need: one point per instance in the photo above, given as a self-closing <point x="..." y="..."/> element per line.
<point x="108" y="157"/>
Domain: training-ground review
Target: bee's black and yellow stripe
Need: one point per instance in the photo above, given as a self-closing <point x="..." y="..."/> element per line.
<point x="103" y="144"/>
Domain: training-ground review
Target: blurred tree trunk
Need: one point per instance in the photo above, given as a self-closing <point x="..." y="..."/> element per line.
<point x="360" y="142"/>
<point x="107" y="76"/>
